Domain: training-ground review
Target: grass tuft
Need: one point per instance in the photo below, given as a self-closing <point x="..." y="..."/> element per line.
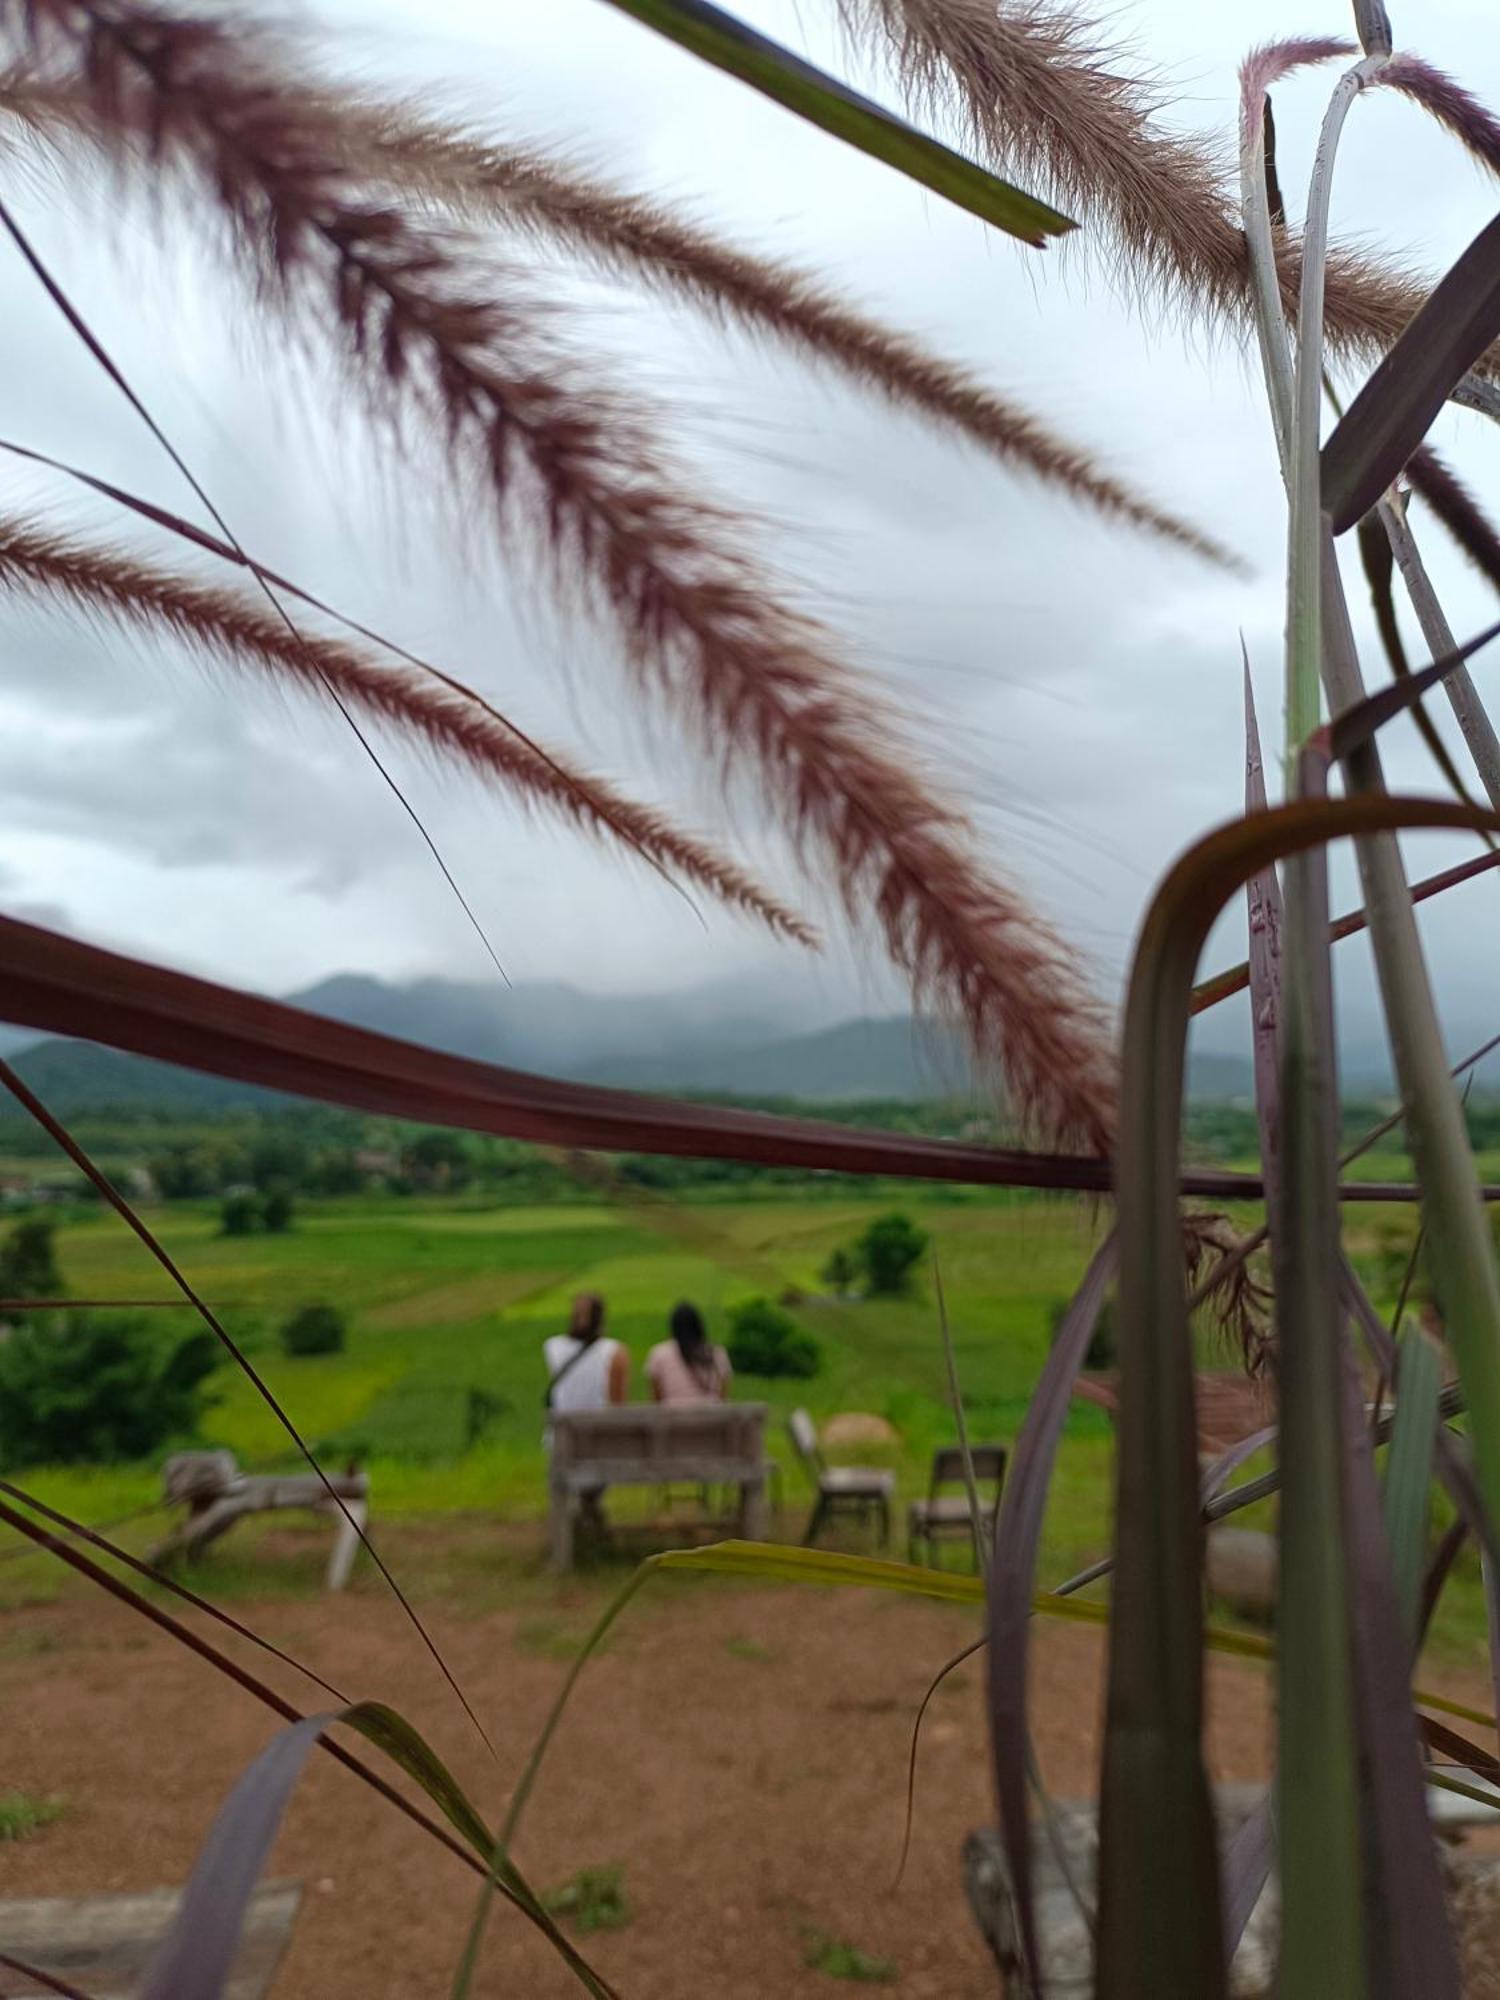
<point x="21" y="1815"/>
<point x="846" y="1961"/>
<point x="592" y="1900"/>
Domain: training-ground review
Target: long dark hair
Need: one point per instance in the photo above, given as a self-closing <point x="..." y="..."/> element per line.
<point x="586" y="1319"/>
<point x="691" y="1336"/>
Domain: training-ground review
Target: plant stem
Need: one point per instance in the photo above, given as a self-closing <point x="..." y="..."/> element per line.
<point x="1463" y="696"/>
<point x="1304" y="554"/>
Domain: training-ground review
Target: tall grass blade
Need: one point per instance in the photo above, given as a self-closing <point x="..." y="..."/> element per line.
<point x="724" y="41"/>
<point x="1012" y="1582"/>
<point x="1157" y="1857"/>
<point x="1264" y="918"/>
<point x="48" y="1982"/>
<point x="1396" y="408"/>
<point x="1409" y="1944"/>
<point x="1378" y="562"/>
<point x="1458" y="510"/>
<point x="1248" y="1857"/>
<point x="1224" y="985"/>
<point x="65" y="987"/>
<point x="979" y="1526"/>
<point x="193" y="1960"/>
<point x="1408" y="1472"/>
<point x="1322" y="1953"/>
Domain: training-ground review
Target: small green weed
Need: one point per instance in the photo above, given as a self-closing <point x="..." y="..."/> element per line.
<point x="549" y="1640"/>
<point x="593" y="1899"/>
<point x="21" y="1815"/>
<point x="749" y="1649"/>
<point x="846" y="1961"/>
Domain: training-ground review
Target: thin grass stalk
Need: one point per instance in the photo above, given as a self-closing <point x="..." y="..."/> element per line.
<point x="1409" y="1940"/>
<point x="1463" y="696"/>
<point x="1322" y="1942"/>
<point x="979" y="1526"/>
<point x="1304" y="559"/>
<point x="1408" y="1472"/>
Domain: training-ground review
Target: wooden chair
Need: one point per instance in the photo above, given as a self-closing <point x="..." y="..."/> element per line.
<point x="945" y="1516"/>
<point x="860" y="1490"/>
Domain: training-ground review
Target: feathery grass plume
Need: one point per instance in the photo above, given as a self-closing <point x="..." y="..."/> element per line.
<point x="1241" y="1303"/>
<point x="1041" y="91"/>
<point x="582" y="470"/>
<point x="625" y="234"/>
<point x="1470" y="122"/>
<point x="1271" y="61"/>
<point x="1457" y="509"/>
<point x="232" y="629"/>
<point x="641" y="237"/>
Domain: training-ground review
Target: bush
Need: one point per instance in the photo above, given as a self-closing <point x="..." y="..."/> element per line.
<point x="276" y="1209"/>
<point x="763" y="1340"/>
<point x="240" y="1215"/>
<point x="97" y="1389"/>
<point x="841" y="1271"/>
<point x="28" y="1262"/>
<point x="314" y="1330"/>
<point x="887" y="1251"/>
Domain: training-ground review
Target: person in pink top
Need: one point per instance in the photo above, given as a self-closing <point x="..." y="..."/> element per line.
<point x="688" y="1368"/>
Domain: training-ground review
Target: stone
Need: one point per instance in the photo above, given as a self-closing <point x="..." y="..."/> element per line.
<point x="1240" y="1568"/>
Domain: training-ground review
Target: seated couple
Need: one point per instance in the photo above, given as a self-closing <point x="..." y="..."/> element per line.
<point x="586" y="1370"/>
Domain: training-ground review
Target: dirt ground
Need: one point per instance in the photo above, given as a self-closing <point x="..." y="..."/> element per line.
<point x="739" y="1751"/>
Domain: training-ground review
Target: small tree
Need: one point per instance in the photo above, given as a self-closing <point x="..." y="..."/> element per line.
<point x="28" y="1261"/>
<point x="841" y="1271"/>
<point x="315" y="1329"/>
<point x="240" y="1215"/>
<point x="887" y="1251"/>
<point x="763" y="1340"/>
<point x="276" y="1208"/>
<point x="97" y="1389"/>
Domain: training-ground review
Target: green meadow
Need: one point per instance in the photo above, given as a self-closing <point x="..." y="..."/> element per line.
<point x="438" y="1392"/>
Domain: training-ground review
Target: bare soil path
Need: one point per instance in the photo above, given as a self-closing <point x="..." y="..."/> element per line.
<point x="739" y="1751"/>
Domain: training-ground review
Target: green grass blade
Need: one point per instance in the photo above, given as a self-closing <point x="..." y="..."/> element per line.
<point x="718" y="38"/>
<point x="770" y="1562"/>
<point x="1408" y="1471"/>
<point x="1318" y="1799"/>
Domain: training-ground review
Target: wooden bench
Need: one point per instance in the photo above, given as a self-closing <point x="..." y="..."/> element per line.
<point x="103" y="1944"/>
<point x="217" y="1495"/>
<point x="648" y="1444"/>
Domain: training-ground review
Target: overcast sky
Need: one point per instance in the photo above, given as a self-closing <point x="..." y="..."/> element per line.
<point x="1081" y="685"/>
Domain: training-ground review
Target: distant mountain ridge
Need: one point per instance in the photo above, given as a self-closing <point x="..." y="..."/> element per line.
<point x="712" y="1042"/>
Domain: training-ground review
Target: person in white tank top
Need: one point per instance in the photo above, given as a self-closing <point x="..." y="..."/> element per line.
<point x="585" y="1371"/>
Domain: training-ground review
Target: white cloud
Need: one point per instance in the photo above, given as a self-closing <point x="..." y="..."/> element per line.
<point x="1082" y="685"/>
